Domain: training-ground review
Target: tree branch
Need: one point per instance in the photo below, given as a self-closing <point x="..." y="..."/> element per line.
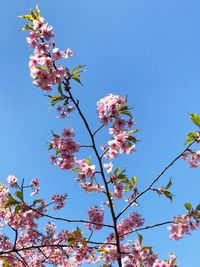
<point x="156" y="179"/>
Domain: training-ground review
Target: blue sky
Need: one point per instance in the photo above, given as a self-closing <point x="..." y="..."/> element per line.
<point x="148" y="50"/>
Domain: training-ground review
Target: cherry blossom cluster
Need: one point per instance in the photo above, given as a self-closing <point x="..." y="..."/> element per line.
<point x="138" y="256"/>
<point x="110" y="109"/>
<point x="86" y="174"/>
<point x="118" y="190"/>
<point x="14" y="212"/>
<point x="12" y="181"/>
<point x="37" y="248"/>
<point x="96" y="215"/>
<point x="36" y="186"/>
<point x="193" y="158"/>
<point x="183" y="224"/>
<point x="134" y="255"/>
<point x="59" y="201"/>
<point x="132" y="222"/>
<point x="42" y="64"/>
<point x="168" y="263"/>
<point x="64" y="111"/>
<point x="159" y="263"/>
<point x="122" y="184"/>
<point x="65" y="148"/>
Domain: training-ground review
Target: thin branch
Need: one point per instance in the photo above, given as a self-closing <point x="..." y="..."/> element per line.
<point x="22" y="259"/>
<point x="156" y="179"/>
<point x="147" y="227"/>
<point x="60" y="246"/>
<point x="90" y="146"/>
<point x="90" y="236"/>
<point x="101" y="156"/>
<point x="98" y="129"/>
<point x="16" y="236"/>
<point x="70" y="221"/>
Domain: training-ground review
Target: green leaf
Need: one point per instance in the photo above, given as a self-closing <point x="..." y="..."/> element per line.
<point x="88" y="161"/>
<point x="190" y="137"/>
<point x="78" y="69"/>
<point x="128" y="186"/>
<point x="19" y="195"/>
<point x="168" y="194"/>
<point x="71" y="241"/>
<point x="10" y="201"/>
<point x="37" y="12"/>
<point x="76" y="73"/>
<point x="125" y="112"/>
<point x="55" y="135"/>
<point x="133" y="131"/>
<point x="60" y="90"/>
<point x="27" y="27"/>
<point x="169" y="184"/>
<point x="5" y="263"/>
<point x="43" y="68"/>
<point x="18" y="208"/>
<point x="195" y="118"/>
<point x="198" y="207"/>
<point x="76" y="77"/>
<point x="140" y="238"/>
<point x="50" y="146"/>
<point x="132" y="139"/>
<point x="188" y="206"/>
<point x="116" y="171"/>
<point x="68" y="72"/>
<point x="55" y="100"/>
<point x="134" y="179"/>
<point x="37" y="201"/>
<point x="27" y="17"/>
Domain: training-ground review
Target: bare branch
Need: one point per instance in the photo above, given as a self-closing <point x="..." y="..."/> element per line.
<point x="156" y="179"/>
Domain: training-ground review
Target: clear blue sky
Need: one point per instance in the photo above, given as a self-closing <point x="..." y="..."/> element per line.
<point x="149" y="50"/>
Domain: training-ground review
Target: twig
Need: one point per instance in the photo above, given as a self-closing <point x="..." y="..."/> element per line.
<point x="156" y="179"/>
<point x="70" y="221"/>
<point x="98" y="129"/>
<point x="146" y="228"/>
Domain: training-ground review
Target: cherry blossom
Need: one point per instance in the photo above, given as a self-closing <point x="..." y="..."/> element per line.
<point x="96" y="215"/>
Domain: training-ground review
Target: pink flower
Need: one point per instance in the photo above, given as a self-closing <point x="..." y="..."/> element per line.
<point x="69" y="53"/>
<point x="108" y="107"/>
<point x="46" y="31"/>
<point x="57" y="54"/>
<point x="118" y="192"/>
<point x="89" y="187"/>
<point x="36" y="186"/>
<point x="68" y="133"/>
<point x="59" y="201"/>
<point x="132" y="222"/>
<point x="65" y="148"/>
<point x="50" y="228"/>
<point x="108" y="167"/>
<point x="38" y="23"/>
<point x="12" y="180"/>
<point x="193" y="158"/>
<point x="96" y="215"/>
<point x="183" y="224"/>
<point x="89" y="170"/>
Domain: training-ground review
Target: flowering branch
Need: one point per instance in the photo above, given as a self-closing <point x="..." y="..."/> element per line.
<point x="34" y="247"/>
<point x="70" y="220"/>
